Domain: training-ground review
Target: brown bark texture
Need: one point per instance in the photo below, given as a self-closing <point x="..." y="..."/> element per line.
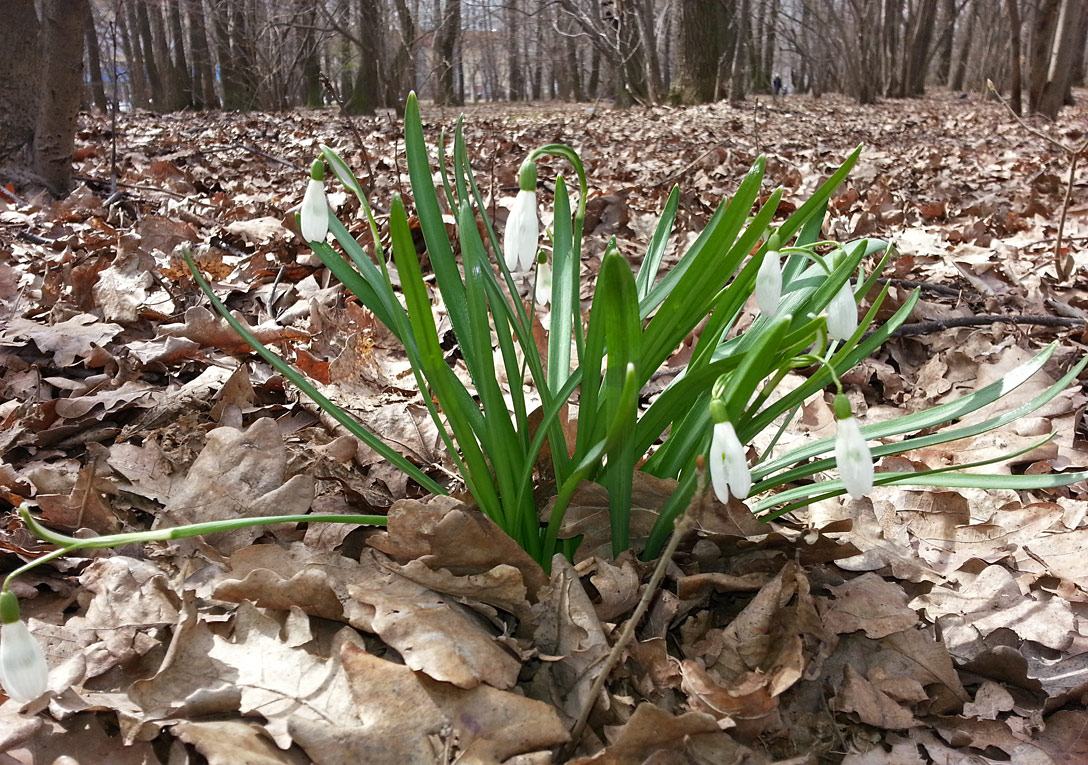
<point x="60" y="80"/>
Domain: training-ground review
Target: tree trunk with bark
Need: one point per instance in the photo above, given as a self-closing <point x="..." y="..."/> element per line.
<point x="1055" y="88"/>
<point x="918" y="45"/>
<point x="959" y="70"/>
<point x="404" y="72"/>
<point x="516" y="79"/>
<point x="60" y="80"/>
<point x="943" y="54"/>
<point x="18" y="76"/>
<point x="182" y="79"/>
<point x="204" y="95"/>
<point x="446" y="39"/>
<point x="1016" y="85"/>
<point x="94" y="62"/>
<point x="366" y="91"/>
<point x="702" y="31"/>
<point x="1043" y="25"/>
<point x="141" y="24"/>
<point x="134" y="59"/>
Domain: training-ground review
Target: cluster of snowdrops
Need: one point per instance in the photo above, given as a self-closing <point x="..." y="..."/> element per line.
<point x="594" y="370"/>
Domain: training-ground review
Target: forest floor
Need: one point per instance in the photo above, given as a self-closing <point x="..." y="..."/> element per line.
<point x="914" y="626"/>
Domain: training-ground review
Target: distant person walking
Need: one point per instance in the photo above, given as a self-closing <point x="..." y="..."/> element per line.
<point x="777" y="83"/>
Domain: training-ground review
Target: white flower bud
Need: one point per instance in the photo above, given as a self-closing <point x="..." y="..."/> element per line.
<point x="842" y="314"/>
<point x="24" y="672"/>
<point x="854" y="459"/>
<point x="769" y="283"/>
<point x="543" y="283"/>
<point x="519" y="242"/>
<point x="728" y="465"/>
<point x="315" y="210"/>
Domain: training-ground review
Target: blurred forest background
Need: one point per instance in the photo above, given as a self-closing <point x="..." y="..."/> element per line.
<point x="270" y="55"/>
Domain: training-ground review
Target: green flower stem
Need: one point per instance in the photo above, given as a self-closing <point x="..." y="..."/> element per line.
<point x="66" y="544"/>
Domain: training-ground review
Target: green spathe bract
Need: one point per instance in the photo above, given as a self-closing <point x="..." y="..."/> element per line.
<point x="635" y="323"/>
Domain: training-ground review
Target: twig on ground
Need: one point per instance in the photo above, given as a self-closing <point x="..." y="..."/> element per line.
<point x="13" y="197"/>
<point x="270" y="157"/>
<point x="939" y="289"/>
<point x="1064" y="266"/>
<point x="142" y="187"/>
<point x="683" y="525"/>
<point x="34" y="238"/>
<point x="926" y="327"/>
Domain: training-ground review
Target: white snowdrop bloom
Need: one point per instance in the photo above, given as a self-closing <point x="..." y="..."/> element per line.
<point x="842" y="314"/>
<point x="852" y="453"/>
<point x="24" y="672"/>
<point x="769" y="283"/>
<point x="728" y="466"/>
<point x="544" y="284"/>
<point x="315" y="210"/>
<point x="519" y="243"/>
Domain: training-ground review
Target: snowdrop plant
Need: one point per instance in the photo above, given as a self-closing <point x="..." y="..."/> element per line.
<point x="808" y="292"/>
<point x="725" y="397"/>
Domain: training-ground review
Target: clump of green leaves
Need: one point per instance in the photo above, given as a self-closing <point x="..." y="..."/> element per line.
<point x="635" y="322"/>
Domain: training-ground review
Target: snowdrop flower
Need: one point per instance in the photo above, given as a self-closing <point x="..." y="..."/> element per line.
<point x="519" y="241"/>
<point x="544" y="283"/>
<point x="315" y="210"/>
<point x="842" y="314"/>
<point x="728" y="464"/>
<point x="852" y="454"/>
<point x="769" y="283"/>
<point x="23" y="670"/>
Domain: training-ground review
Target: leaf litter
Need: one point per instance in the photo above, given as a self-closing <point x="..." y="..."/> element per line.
<point x="912" y="626"/>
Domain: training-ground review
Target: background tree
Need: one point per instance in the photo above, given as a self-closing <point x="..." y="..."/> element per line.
<point x="41" y="84"/>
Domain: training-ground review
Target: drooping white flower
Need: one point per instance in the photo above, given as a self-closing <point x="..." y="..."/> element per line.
<point x="24" y="672"/>
<point x="769" y="283"/>
<point x="728" y="465"/>
<point x="852" y="453"/>
<point x="842" y="314"/>
<point x="544" y="283"/>
<point x="519" y="243"/>
<point x="315" y="210"/>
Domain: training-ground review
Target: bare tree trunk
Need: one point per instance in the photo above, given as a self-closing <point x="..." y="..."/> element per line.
<point x="572" y="66"/>
<point x="227" y="65"/>
<point x="770" y="41"/>
<point x="949" y="17"/>
<point x="94" y="62"/>
<point x="738" y="74"/>
<point x="404" y="73"/>
<point x="446" y="40"/>
<point x="311" y="58"/>
<point x="1053" y="95"/>
<point x="60" y="79"/>
<point x="959" y="71"/>
<point x="142" y="33"/>
<point x="644" y="15"/>
<point x="134" y="58"/>
<point x="1076" y="77"/>
<point x="183" y="83"/>
<point x="917" y="52"/>
<point x="1042" y="36"/>
<point x="365" y="94"/>
<point x="204" y="95"/>
<point x="516" y="79"/>
<point x="18" y="76"/>
<point x="702" y="31"/>
<point x="1016" y="81"/>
